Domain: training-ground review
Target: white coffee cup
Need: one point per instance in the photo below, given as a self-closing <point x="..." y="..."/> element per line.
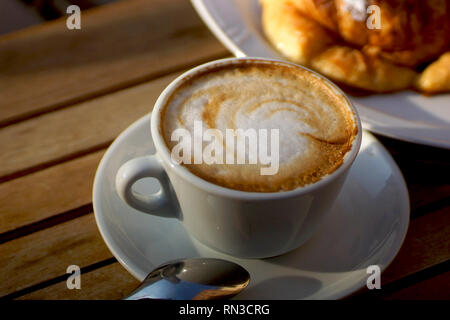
<point x="239" y="223"/>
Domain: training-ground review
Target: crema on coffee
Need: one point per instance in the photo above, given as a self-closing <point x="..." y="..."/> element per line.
<point x="315" y="124"/>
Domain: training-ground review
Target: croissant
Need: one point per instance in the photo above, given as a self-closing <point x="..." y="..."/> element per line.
<point x="334" y="38"/>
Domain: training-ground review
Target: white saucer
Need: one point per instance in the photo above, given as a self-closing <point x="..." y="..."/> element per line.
<point x="367" y="227"/>
<point x="404" y="115"/>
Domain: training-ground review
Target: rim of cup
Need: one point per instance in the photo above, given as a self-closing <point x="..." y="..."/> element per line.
<point x="164" y="153"/>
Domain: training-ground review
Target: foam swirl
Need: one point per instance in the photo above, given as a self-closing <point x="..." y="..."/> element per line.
<point x="316" y="127"/>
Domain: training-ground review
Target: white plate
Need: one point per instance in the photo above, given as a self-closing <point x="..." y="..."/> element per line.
<point x="405" y="115"/>
<point x="366" y="227"/>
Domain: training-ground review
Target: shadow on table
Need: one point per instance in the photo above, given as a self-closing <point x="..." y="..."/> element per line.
<point x="365" y="224"/>
<point x="285" y="287"/>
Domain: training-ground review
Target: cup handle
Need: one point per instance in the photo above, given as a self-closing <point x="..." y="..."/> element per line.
<point x="158" y="204"/>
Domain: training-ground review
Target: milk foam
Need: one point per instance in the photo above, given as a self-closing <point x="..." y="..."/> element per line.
<point x="316" y="126"/>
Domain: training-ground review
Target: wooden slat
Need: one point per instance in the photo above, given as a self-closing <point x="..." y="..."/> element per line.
<point x="48" y="192"/>
<point x="69" y="131"/>
<point x="436" y="288"/>
<point x="46" y="254"/>
<point x="47" y="66"/>
<point x="422" y="195"/>
<point x="112" y="282"/>
<point x="426" y="244"/>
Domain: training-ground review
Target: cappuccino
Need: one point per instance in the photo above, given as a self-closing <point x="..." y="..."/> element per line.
<point x="315" y="125"/>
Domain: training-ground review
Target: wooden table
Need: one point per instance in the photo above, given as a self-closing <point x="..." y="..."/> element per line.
<point x="55" y="86"/>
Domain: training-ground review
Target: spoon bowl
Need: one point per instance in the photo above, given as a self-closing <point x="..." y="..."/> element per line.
<point x="193" y="279"/>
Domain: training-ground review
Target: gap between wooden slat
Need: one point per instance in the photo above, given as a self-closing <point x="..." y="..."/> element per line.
<point x="61" y="278"/>
<point x="45" y="165"/>
<point x="60" y="188"/>
<point x="70" y="132"/>
<point x="425" y="247"/>
<point x="386" y="288"/>
<point x="108" y="282"/>
<point x="436" y="288"/>
<point x="79" y="177"/>
<point x="46" y="254"/>
<point x="45" y="223"/>
<point x="86" y="209"/>
<point x="124" y="43"/>
<point x="148" y="91"/>
<point x="430" y="207"/>
<point x="405" y="282"/>
<point x="426" y="243"/>
<point x="125" y="85"/>
<point x="73" y="212"/>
